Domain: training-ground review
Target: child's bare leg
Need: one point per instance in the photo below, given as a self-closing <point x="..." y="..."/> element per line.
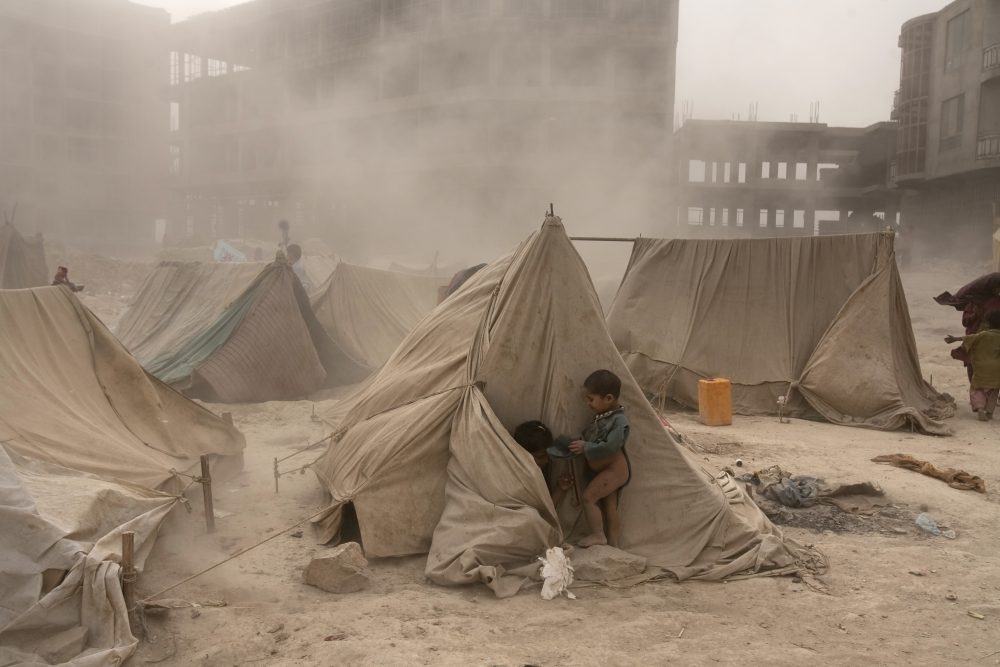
<point x="605" y="483"/>
<point x="613" y="520"/>
<point x="595" y="520"/>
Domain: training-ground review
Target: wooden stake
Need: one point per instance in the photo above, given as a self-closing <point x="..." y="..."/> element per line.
<point x="228" y="418"/>
<point x="276" y="474"/>
<point x="128" y="580"/>
<point x="206" y="490"/>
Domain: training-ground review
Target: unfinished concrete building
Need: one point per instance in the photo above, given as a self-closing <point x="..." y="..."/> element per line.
<point x="338" y="114"/>
<point x="82" y="118"/>
<point x="749" y="178"/>
<point x="948" y="109"/>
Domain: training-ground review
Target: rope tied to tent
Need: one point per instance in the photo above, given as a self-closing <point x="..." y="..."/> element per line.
<point x="239" y="553"/>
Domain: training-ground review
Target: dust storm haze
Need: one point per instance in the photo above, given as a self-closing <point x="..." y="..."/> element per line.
<point x="408" y="129"/>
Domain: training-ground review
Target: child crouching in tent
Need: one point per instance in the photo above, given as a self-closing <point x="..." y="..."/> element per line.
<point x="536" y="438"/>
<point x="983" y="350"/>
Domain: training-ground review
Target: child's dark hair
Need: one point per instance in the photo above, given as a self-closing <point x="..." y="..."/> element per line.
<point x="993" y="319"/>
<point x="602" y="383"/>
<point x="533" y="436"/>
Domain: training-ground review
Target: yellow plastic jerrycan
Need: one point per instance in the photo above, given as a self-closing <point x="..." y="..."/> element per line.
<point x="715" y="402"/>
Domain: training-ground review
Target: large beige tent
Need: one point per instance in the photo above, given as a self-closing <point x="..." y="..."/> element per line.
<point x="22" y="261"/>
<point x="230" y="332"/>
<point x="89" y="443"/>
<point x="177" y="300"/>
<point x="425" y="459"/>
<point x="821" y="320"/>
<point x="367" y="312"/>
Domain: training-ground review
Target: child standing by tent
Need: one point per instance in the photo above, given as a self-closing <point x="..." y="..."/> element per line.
<point x="983" y="349"/>
<point x="603" y="445"/>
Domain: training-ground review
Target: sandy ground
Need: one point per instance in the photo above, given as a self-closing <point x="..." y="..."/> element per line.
<point x="877" y="610"/>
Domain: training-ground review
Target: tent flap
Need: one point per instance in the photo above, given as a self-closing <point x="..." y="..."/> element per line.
<point x="768" y="314"/>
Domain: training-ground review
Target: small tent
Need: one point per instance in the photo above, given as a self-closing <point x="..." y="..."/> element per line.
<point x="367" y="312"/>
<point x="221" y="333"/>
<point x="22" y="261"/>
<point x="88" y="445"/>
<point x="177" y="300"/>
<point x="821" y="321"/>
<point x="426" y="461"/>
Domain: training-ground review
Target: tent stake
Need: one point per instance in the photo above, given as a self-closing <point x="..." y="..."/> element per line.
<point x="227" y="417"/>
<point x="128" y="580"/>
<point x="206" y="490"/>
<point x="276" y="474"/>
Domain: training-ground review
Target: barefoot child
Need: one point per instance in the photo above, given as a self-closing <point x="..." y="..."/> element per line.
<point x="983" y="349"/>
<point x="603" y="445"/>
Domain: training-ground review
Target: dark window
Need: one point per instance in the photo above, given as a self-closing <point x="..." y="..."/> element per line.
<point x="952" y="113"/>
<point x="956" y="40"/>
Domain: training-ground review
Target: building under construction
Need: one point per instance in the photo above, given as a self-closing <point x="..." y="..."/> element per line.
<point x="82" y="113"/>
<point x="948" y="109"/>
<point x="749" y="178"/>
<point x="337" y="114"/>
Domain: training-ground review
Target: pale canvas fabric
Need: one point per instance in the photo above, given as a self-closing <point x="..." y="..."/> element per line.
<point x="87" y="436"/>
<point x="232" y="333"/>
<point x="179" y="299"/>
<point x="425" y="457"/>
<point x="367" y="312"/>
<point x="72" y="395"/>
<point x="821" y="320"/>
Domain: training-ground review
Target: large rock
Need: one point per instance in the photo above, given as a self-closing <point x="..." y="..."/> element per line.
<point x="604" y="563"/>
<point x="343" y="569"/>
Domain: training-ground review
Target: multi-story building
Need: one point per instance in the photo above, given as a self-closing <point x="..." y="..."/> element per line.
<point x="749" y="178"/>
<point x="444" y="116"/>
<point x="82" y="108"/>
<point x="948" y="109"/>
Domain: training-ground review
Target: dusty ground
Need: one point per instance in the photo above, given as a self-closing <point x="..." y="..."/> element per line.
<point x="877" y="612"/>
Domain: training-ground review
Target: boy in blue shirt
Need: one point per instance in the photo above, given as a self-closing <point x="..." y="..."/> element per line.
<point x="603" y="445"/>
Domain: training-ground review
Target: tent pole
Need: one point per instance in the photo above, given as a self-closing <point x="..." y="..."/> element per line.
<point x="601" y="238"/>
<point x="206" y="490"/>
<point x="128" y="580"/>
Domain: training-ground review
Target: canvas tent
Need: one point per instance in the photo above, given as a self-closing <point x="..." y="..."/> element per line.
<point x="425" y="459"/>
<point x="22" y="261"/>
<point x="821" y="320"/>
<point x="367" y="312"/>
<point x="177" y="300"/>
<point x="89" y="441"/>
<point x="230" y="333"/>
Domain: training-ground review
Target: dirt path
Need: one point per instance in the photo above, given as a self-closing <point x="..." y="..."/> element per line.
<point x="877" y="612"/>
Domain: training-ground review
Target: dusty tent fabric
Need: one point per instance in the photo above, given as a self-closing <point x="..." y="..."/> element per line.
<point x="22" y="261"/>
<point x="86" y="438"/>
<point x="60" y="535"/>
<point x="265" y="345"/>
<point x="821" y="320"/>
<point x="73" y="396"/>
<point x="367" y="312"/>
<point x="177" y="300"/>
<point x="425" y="458"/>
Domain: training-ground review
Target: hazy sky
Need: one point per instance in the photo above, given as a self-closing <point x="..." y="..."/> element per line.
<point x="783" y="54"/>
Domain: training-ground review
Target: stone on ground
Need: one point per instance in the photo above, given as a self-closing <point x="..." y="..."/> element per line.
<point x="343" y="569"/>
<point x="605" y="563"/>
